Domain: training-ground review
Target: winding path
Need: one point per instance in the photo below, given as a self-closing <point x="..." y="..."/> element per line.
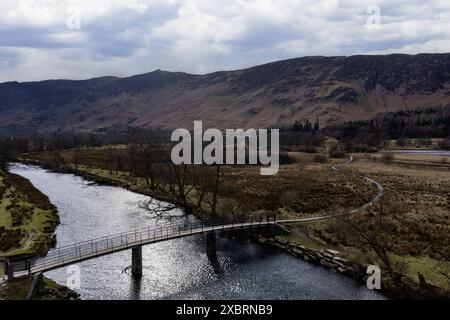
<point x="374" y="200"/>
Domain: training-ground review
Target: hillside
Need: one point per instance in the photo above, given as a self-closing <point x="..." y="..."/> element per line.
<point x="335" y="89"/>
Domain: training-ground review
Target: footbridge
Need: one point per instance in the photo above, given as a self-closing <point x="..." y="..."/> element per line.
<point x="134" y="240"/>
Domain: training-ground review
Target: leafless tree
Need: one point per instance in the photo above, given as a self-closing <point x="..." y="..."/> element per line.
<point x="55" y="160"/>
<point x="369" y="232"/>
<point x="76" y="157"/>
<point x="215" y="190"/>
<point x="184" y="186"/>
<point x="146" y="150"/>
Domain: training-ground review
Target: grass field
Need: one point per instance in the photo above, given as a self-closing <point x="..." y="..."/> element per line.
<point x="417" y="202"/>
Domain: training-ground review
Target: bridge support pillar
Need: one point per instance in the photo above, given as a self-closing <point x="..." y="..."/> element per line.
<point x="136" y="261"/>
<point x="211" y="245"/>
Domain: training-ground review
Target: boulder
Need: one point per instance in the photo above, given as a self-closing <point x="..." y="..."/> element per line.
<point x="327" y="264"/>
<point x="341" y="260"/>
<point x="281" y="240"/>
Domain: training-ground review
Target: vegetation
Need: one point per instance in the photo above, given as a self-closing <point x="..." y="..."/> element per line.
<point x="418" y="123"/>
<point x="304" y="137"/>
<point x="18" y="289"/>
<point x="27" y="218"/>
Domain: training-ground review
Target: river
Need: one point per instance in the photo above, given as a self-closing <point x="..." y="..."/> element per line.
<point x="175" y="269"/>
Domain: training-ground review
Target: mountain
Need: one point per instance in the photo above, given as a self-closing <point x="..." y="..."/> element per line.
<point x="334" y="89"/>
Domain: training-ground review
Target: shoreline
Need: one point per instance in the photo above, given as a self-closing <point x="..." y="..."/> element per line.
<point x="28" y="205"/>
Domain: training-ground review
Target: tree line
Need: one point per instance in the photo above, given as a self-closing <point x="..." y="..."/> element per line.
<point x="412" y="124"/>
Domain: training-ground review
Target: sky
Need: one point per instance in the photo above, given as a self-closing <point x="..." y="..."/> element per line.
<point x="79" y="39"/>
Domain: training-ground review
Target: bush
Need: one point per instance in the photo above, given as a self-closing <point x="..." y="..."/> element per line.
<point x="10" y="238"/>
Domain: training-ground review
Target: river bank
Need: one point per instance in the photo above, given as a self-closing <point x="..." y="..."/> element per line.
<point x="28" y="221"/>
<point x="27" y="218"/>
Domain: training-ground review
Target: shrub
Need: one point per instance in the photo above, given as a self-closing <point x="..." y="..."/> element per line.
<point x="9" y="238"/>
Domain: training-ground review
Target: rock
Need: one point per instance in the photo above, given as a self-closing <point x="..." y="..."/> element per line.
<point x="279" y="246"/>
<point x="338" y="264"/>
<point x="342" y="270"/>
<point x="281" y="240"/>
<point x="341" y="260"/>
<point x="310" y="257"/>
<point x="332" y="252"/>
<point x="327" y="264"/>
<point x="262" y="240"/>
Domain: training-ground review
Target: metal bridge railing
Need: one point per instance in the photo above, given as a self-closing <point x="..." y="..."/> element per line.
<point x="121" y="241"/>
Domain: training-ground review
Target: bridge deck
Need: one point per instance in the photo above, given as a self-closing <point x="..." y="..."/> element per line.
<point x="57" y="258"/>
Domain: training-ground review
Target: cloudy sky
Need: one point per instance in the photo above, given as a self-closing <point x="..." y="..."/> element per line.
<point x="77" y="39"/>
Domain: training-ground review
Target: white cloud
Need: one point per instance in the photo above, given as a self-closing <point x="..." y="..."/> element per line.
<point x="125" y="37"/>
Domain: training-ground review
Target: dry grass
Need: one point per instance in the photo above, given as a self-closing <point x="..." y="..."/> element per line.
<point x="417" y="201"/>
<point x="297" y="190"/>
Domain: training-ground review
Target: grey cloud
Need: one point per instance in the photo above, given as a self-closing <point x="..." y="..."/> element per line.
<point x="124" y="39"/>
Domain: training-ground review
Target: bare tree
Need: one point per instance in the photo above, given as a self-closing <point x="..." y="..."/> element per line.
<point x="146" y="150"/>
<point x="55" y="160"/>
<point x="76" y="157"/>
<point x="215" y="190"/>
<point x="370" y="232"/>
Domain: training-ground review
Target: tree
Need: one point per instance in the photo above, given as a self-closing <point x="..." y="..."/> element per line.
<point x="298" y="126"/>
<point x="316" y="125"/>
<point x="146" y="148"/>
<point x="370" y="232"/>
<point x="307" y="126"/>
<point x="215" y="191"/>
